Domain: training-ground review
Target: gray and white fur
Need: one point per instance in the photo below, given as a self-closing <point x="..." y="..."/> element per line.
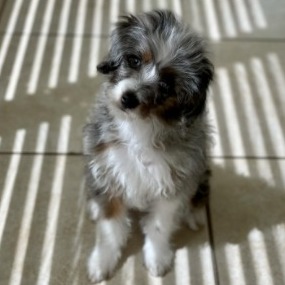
<point x="146" y="139"/>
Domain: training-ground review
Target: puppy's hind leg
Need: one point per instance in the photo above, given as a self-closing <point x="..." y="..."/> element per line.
<point x="195" y="213"/>
<point x="158" y="227"/>
<point x="112" y="231"/>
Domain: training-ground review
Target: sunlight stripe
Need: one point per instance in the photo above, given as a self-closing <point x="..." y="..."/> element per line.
<point x="176" y="7"/>
<point x="242" y="15"/>
<point x="147" y="5"/>
<point x="21" y="51"/>
<point x="162" y="4"/>
<point x="253" y="124"/>
<point x="224" y="83"/>
<point x="268" y="106"/>
<point x="114" y="12"/>
<point x="182" y="274"/>
<point x="211" y="20"/>
<point x="276" y="70"/>
<point x="234" y="264"/>
<point x="75" y="263"/>
<point x="245" y="92"/>
<point x="9" y="32"/>
<point x="228" y="18"/>
<point x="42" y="41"/>
<point x="257" y="14"/>
<point x="10" y="179"/>
<point x="81" y="214"/>
<point x="196" y="18"/>
<point x="23" y="238"/>
<point x="278" y="233"/>
<point x="82" y="196"/>
<point x="96" y="40"/>
<point x="128" y="272"/>
<point x="217" y="149"/>
<point x="77" y="241"/>
<point x="207" y="265"/>
<point x="74" y="273"/>
<point x="54" y="204"/>
<point x="77" y="42"/>
<point x="231" y="118"/>
<point x="59" y="45"/>
<point x="259" y="254"/>
<point x="131" y="6"/>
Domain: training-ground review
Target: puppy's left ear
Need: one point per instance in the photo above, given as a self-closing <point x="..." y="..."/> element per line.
<point x="107" y="66"/>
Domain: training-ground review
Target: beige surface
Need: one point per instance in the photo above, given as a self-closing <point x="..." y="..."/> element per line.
<point x="248" y="217"/>
<point x="48" y="80"/>
<point x="215" y="19"/>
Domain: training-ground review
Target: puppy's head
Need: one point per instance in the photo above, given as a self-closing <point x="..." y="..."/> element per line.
<point x="157" y="67"/>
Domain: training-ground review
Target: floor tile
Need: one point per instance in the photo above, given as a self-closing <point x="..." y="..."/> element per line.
<point x="214" y="19"/>
<point x="53" y="79"/>
<point x="247" y="103"/>
<point x="2" y="5"/>
<point x="42" y="86"/>
<point x="45" y="235"/>
<point x="248" y="221"/>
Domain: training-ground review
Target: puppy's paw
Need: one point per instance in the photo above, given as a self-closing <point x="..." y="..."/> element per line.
<point x="100" y="266"/>
<point x="158" y="263"/>
<point x="195" y="219"/>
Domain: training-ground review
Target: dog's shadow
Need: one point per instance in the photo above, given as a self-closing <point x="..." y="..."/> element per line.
<point x="238" y="205"/>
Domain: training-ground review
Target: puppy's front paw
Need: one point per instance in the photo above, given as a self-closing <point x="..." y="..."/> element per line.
<point x="158" y="262"/>
<point x="100" y="265"/>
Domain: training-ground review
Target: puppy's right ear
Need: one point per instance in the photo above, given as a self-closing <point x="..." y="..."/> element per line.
<point x="107" y="66"/>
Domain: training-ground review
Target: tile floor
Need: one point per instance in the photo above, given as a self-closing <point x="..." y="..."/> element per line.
<point x="48" y="53"/>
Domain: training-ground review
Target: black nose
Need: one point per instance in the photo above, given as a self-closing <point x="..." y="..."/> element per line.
<point x="129" y="100"/>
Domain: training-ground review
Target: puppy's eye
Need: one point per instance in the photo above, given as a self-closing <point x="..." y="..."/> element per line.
<point x="134" y="61"/>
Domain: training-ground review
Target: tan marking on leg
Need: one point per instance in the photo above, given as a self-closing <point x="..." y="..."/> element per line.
<point x="114" y="208"/>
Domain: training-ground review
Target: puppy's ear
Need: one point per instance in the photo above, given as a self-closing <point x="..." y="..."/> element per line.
<point x="197" y="100"/>
<point x="107" y="66"/>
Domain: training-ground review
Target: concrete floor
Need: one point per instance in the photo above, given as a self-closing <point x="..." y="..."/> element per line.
<point x="48" y="53"/>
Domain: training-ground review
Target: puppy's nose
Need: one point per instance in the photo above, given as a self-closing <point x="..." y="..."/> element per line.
<point x="129" y="100"/>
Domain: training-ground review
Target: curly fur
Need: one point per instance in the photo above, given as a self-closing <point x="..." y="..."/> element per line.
<point x="147" y="137"/>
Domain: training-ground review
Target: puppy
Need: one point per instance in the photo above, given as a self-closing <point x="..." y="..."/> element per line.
<point x="146" y="139"/>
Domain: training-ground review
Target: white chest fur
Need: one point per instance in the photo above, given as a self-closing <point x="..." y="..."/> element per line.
<point x="140" y="171"/>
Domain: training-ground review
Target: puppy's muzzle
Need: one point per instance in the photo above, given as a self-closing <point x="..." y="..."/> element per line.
<point x="129" y="100"/>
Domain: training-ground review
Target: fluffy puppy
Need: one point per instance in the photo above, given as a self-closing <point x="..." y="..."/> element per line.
<point x="146" y="139"/>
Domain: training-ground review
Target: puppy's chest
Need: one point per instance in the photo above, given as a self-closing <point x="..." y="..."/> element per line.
<point x="142" y="172"/>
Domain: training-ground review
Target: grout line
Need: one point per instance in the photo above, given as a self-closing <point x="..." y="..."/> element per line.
<point x="212" y="245"/>
<point x="249" y="157"/>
